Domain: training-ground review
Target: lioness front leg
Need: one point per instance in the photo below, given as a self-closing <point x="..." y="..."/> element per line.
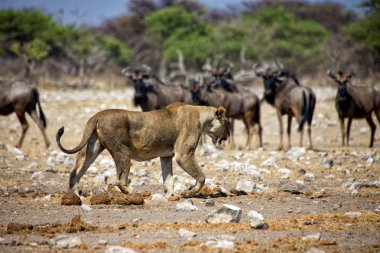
<point x="190" y="165"/>
<point x="167" y="175"/>
<point x="123" y="165"/>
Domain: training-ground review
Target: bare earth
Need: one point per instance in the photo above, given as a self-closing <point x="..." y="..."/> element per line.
<point x="340" y="199"/>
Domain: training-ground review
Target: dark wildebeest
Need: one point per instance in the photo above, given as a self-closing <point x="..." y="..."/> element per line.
<point x="243" y="105"/>
<point x="19" y="97"/>
<point x="355" y="102"/>
<point x="223" y="79"/>
<point x="153" y="94"/>
<point x="284" y="92"/>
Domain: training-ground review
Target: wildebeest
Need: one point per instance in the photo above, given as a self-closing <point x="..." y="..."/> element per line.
<point x="153" y="94"/>
<point x="241" y="105"/>
<point x="355" y="102"/>
<point x="19" y="97"/>
<point x="284" y="92"/>
<point x="223" y="78"/>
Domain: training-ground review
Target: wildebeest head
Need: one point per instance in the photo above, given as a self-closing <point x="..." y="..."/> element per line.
<point x="341" y="79"/>
<point x="222" y="77"/>
<point x="137" y="75"/>
<point x="270" y="76"/>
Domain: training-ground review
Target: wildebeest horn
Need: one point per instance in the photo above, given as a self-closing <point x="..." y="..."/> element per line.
<point x="147" y="68"/>
<point x="257" y="71"/>
<point x="352" y="74"/>
<point x="279" y="65"/>
<point x="330" y="74"/>
<point x="126" y="71"/>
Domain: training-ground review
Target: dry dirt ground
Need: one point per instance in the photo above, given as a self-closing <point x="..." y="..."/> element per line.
<point x="338" y="196"/>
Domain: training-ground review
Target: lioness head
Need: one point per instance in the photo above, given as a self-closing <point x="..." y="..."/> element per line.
<point x="219" y="127"/>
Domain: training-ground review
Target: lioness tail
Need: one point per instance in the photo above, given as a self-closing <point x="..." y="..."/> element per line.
<point x="89" y="129"/>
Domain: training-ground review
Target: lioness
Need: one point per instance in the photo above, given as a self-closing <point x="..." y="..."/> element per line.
<point x="170" y="132"/>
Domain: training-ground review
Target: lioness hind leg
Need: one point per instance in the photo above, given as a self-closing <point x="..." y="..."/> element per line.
<point x="167" y="175"/>
<point x="84" y="159"/>
<point x="190" y="165"/>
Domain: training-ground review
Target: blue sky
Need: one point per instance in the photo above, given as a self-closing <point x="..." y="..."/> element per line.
<point x="93" y="12"/>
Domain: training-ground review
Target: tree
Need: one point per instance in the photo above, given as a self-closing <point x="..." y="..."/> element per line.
<point x="173" y="28"/>
<point x="273" y="33"/>
<point x="27" y="35"/>
<point x="34" y="36"/>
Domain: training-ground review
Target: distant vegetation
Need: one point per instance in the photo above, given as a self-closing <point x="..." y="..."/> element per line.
<point x="307" y="38"/>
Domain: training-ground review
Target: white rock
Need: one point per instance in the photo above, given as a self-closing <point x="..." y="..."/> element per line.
<point x="92" y="170"/>
<point x="139" y="181"/>
<point x="316" y="236"/>
<point x="207" y="150"/>
<point x="222" y="165"/>
<point x="255" y="215"/>
<point x="186" y="206"/>
<point x="238" y="155"/>
<point x="284" y="171"/>
<point x="102" y="242"/>
<point x="32" y="166"/>
<point x="13" y="150"/>
<point x="184" y="233"/>
<point x="86" y="207"/>
<point x="364" y="130"/>
<point x="178" y="187"/>
<point x="227" y="213"/>
<point x="261" y="187"/>
<point x="269" y="163"/>
<point x="141" y="173"/>
<point x="158" y="197"/>
<point x="47" y="197"/>
<point x="309" y="177"/>
<point x="226" y="237"/>
<point x="353" y="214"/>
<point x="296" y="152"/>
<point x="223" y="244"/>
<point x="38" y="176"/>
<point x="246" y="186"/>
<point x="65" y="242"/>
<point x="119" y="249"/>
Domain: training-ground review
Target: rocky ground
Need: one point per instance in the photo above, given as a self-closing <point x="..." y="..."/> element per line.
<point x="261" y="200"/>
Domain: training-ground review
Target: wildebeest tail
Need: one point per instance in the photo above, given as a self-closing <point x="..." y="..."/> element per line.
<point x="89" y="129"/>
<point x="305" y="110"/>
<point x="40" y="111"/>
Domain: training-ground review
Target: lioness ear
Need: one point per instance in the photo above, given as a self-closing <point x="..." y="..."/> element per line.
<point x="221" y="111"/>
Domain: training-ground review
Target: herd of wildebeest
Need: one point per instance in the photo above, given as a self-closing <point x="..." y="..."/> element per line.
<point x="216" y="87"/>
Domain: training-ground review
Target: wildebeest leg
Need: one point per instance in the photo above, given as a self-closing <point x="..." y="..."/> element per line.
<point x="24" y="127"/>
<point x="342" y="130"/>
<point x="373" y="128"/>
<point x="309" y="134"/>
<point x="85" y="158"/>
<point x="188" y="163"/>
<point x="289" y="132"/>
<point x="250" y="130"/>
<point x="40" y="125"/>
<point x="349" y="122"/>
<point x="167" y="175"/>
<point x="260" y="134"/>
<point x="281" y="128"/>
<point x="232" y="139"/>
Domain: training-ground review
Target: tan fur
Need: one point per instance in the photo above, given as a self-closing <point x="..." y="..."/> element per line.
<point x="170" y="132"/>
